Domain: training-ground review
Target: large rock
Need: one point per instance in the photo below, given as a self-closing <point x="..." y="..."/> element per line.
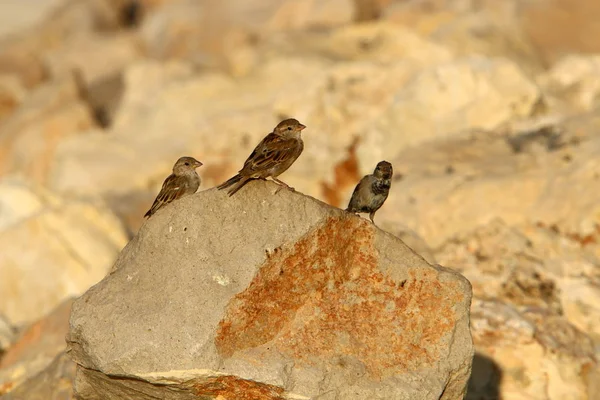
<point x="470" y="93"/>
<point x="53" y="383"/>
<point x="35" y="348"/>
<point x="531" y="356"/>
<point x="549" y="171"/>
<point x="215" y="30"/>
<point x="574" y="82"/>
<point x="51" y="248"/>
<point x="274" y="294"/>
<point x="531" y="266"/>
<point x="30" y="135"/>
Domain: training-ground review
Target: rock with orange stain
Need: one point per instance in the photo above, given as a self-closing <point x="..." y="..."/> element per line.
<point x="35" y="348"/>
<point x="268" y="295"/>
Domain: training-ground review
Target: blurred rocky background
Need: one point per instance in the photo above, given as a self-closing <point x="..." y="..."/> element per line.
<point x="489" y="111"/>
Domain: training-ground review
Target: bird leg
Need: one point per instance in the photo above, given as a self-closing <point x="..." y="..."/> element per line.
<point x="372" y="215"/>
<point x="283" y="184"/>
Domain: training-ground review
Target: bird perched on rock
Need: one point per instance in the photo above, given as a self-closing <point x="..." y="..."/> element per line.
<point x="273" y="156"/>
<point x="372" y="190"/>
<point x="183" y="181"/>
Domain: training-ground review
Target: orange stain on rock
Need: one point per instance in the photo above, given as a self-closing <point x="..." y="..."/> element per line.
<point x="233" y="388"/>
<point x="346" y="174"/>
<point x="326" y="296"/>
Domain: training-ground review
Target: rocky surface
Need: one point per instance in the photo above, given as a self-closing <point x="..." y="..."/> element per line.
<point x="317" y="303"/>
<point x="51" y="248"/>
<point x="487" y="109"/>
<point x="31" y="360"/>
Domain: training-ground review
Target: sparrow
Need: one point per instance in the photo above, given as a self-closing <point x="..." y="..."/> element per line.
<point x="273" y="156"/>
<point x="372" y="190"/>
<point x="183" y="181"/>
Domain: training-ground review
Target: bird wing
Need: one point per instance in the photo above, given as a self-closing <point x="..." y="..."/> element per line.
<point x="360" y="192"/>
<point x="172" y="189"/>
<point x="270" y="152"/>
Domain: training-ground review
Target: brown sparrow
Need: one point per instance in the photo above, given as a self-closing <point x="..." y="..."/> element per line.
<point x="183" y="181"/>
<point x="372" y="190"/>
<point x="273" y="156"/>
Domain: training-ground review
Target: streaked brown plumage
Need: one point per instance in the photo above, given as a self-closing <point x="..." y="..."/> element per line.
<point x="273" y="156"/>
<point x="372" y="190"/>
<point x="183" y="181"/>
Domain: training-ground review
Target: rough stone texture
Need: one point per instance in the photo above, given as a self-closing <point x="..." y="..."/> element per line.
<point x="276" y="294"/>
<point x="550" y="171"/>
<point x="52" y="247"/>
<point x="34" y="350"/>
<point x="454" y="97"/>
<point x="541" y="356"/>
<point x="532" y="266"/>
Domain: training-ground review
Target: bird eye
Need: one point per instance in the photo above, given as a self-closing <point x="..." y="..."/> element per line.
<point x="289" y="128"/>
<point x="187" y="163"/>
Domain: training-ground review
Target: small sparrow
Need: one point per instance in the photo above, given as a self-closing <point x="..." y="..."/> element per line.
<point x="183" y="181"/>
<point x="372" y="190"/>
<point x="273" y="156"/>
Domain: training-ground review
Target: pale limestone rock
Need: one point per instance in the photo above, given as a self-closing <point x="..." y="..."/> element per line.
<point x="531" y="266"/>
<point x="574" y="81"/>
<point x="50" y="249"/>
<point x="97" y="57"/>
<point x="449" y="186"/>
<point x="539" y="356"/>
<point x="16" y="16"/>
<point x="275" y="294"/>
<point x="454" y="97"/>
<point x="30" y="135"/>
<point x="382" y="42"/>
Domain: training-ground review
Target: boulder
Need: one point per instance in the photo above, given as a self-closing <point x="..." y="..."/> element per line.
<point x="453" y="97"/>
<point x="51" y="248"/>
<point x="30" y="135"/>
<point x="35" y="349"/>
<point x="270" y="294"/>
<point x="531" y="355"/>
<point x="531" y="266"/>
<point x="53" y="383"/>
<point x="550" y="173"/>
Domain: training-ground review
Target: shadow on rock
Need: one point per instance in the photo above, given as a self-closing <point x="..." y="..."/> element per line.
<point x="485" y="380"/>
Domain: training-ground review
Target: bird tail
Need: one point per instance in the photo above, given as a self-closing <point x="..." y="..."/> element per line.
<point x="236" y="181"/>
<point x="152" y="210"/>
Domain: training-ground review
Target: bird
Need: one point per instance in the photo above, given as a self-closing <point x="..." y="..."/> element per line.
<point x="182" y="182"/>
<point x="271" y="157"/>
<point x="372" y="191"/>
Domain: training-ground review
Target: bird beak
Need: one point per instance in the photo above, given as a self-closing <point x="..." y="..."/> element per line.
<point x="300" y="127"/>
<point x="198" y="164"/>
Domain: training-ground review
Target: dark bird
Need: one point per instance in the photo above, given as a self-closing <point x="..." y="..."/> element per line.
<point x="372" y="190"/>
<point x="183" y="181"/>
<point x="273" y="156"/>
